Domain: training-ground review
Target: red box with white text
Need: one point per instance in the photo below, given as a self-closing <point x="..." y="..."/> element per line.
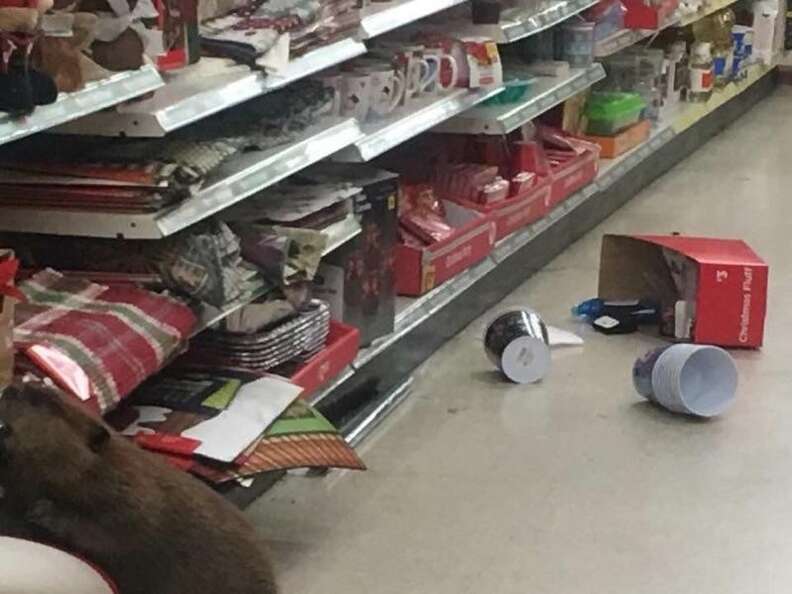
<point x="712" y="291"/>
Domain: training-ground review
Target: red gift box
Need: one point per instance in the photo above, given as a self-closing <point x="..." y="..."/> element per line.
<point x="724" y="282"/>
<point x="516" y="212"/>
<point x="574" y="174"/>
<point x="639" y="15"/>
<point x="419" y="270"/>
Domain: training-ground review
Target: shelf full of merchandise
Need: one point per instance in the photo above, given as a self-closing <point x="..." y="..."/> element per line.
<point x="546" y="93"/>
<point x="240" y="177"/>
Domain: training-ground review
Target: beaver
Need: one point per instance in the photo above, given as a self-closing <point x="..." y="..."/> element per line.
<point x="70" y="481"/>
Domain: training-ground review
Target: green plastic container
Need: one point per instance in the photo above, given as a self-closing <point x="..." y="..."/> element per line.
<point x="610" y="113"/>
<point x="514" y="91"/>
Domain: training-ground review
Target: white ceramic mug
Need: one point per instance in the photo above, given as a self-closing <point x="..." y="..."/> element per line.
<point x="387" y="89"/>
<point x="356" y="95"/>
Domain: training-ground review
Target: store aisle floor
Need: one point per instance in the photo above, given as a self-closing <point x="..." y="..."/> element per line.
<point x="575" y="485"/>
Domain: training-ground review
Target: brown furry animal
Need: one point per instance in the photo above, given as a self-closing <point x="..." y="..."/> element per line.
<point x="70" y="481"/>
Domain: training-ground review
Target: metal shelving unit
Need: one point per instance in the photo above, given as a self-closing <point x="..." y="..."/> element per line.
<point x="234" y="181"/>
<point x="382" y="17"/>
<point x="521" y="22"/>
<point x="381" y="136"/>
<point x="413" y="313"/>
<point x="546" y="94"/>
<point x="70" y="106"/>
<point x="185" y="100"/>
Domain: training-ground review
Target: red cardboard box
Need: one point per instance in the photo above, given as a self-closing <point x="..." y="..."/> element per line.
<point x="516" y="212"/>
<point x="722" y="283"/>
<point x="572" y="176"/>
<point x="613" y="146"/>
<point x="341" y="349"/>
<point x="418" y="271"/>
<point x="642" y="15"/>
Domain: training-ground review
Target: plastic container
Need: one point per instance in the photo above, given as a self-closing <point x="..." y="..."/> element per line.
<point x="578" y="44"/>
<point x="610" y="113"/>
<point x="514" y="91"/>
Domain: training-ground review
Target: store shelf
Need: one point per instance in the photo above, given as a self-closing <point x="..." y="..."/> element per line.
<point x="190" y="98"/>
<point x="414" y="313"/>
<point x="380" y="137"/>
<point x="237" y="179"/>
<point x="338" y="234"/>
<point x="70" y="106"/>
<point x="546" y="94"/>
<point x="689" y="113"/>
<point x="379" y="18"/>
<point x="626" y="37"/>
<point x="712" y="7"/>
<point x="521" y="22"/>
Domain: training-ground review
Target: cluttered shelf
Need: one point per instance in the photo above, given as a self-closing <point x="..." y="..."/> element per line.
<point x="233" y="181"/>
<point x="543" y="93"/>
<point x="95" y="96"/>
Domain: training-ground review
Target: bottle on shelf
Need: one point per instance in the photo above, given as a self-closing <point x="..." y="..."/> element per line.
<point x="716" y="29"/>
<point x="701" y="78"/>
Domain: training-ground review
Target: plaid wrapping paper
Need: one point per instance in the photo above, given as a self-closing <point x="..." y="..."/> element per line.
<point x="118" y="336"/>
<point x="300" y="438"/>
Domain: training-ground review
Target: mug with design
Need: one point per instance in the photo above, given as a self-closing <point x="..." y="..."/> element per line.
<point x="410" y="63"/>
<point x="443" y="70"/>
<point x="387" y="87"/>
<point x="356" y="95"/>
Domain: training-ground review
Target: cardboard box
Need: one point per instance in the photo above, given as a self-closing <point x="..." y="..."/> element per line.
<point x="613" y="146"/>
<point x="643" y="15"/>
<point x="358" y="279"/>
<point x="8" y="269"/>
<point x="516" y="212"/>
<point x="719" y="285"/>
<point x="572" y="176"/>
<point x="418" y="271"/>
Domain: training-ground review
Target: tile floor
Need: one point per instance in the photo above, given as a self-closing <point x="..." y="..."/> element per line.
<point x="575" y="485"/>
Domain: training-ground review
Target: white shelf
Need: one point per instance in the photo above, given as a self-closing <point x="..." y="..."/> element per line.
<point x="381" y="17"/>
<point x="380" y="137"/>
<point x="626" y="37"/>
<point x="519" y="23"/>
<point x="189" y="97"/>
<point x="234" y="181"/>
<point x="546" y="93"/>
<point x="70" y="106"/>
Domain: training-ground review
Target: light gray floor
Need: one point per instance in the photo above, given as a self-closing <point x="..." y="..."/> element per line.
<point x="575" y="486"/>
